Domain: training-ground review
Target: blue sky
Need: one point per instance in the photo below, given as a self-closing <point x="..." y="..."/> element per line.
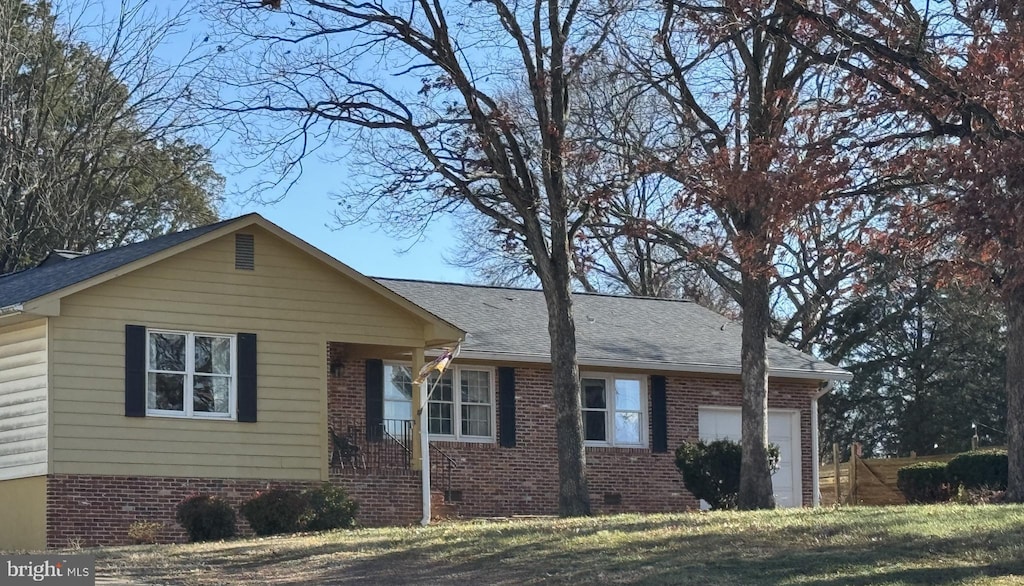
<point x="306" y="212"/>
<point x="307" y="209"/>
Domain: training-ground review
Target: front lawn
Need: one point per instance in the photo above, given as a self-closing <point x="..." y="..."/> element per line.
<point x="940" y="544"/>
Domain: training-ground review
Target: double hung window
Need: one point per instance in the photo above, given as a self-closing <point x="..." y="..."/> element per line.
<point x="614" y="410"/>
<point x="190" y="374"/>
<point x="461" y="405"/>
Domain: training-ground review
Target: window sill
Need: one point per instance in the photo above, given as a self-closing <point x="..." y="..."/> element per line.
<point x="450" y="439"/>
<point x="172" y="415"/>
<point x="616" y="449"/>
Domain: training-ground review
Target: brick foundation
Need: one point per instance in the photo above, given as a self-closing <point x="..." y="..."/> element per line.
<point x="494" y="481"/>
<point x="497" y="481"/>
<point x="98" y="510"/>
<point x="388" y="497"/>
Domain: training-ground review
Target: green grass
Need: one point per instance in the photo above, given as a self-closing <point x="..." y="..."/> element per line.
<point x="943" y="544"/>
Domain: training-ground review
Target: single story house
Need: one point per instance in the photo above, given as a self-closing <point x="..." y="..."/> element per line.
<point x="234" y="357"/>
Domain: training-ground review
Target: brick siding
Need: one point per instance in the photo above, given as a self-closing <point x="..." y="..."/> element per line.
<point x="89" y="510"/>
<point x="83" y="510"/>
<point x="497" y="481"/>
<point x="385" y="497"/>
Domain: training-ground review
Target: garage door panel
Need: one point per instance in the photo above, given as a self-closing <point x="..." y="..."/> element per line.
<point x="726" y="423"/>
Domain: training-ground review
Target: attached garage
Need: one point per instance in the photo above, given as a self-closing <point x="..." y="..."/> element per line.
<point x="783" y="430"/>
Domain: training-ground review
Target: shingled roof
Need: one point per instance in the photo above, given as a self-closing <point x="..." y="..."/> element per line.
<point x="503" y="323"/>
<point x="611" y="330"/>
<point x="47" y="278"/>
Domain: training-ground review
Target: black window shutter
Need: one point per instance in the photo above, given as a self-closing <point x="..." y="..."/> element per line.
<point x="134" y="371"/>
<point x="247" y="377"/>
<point x="507" y="406"/>
<point x="375" y="399"/>
<point x="659" y="415"/>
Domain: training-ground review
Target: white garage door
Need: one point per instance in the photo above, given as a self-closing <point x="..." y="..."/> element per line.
<point x="783" y="431"/>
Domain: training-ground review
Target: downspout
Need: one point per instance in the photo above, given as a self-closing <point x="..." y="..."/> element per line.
<point x="815" y="481"/>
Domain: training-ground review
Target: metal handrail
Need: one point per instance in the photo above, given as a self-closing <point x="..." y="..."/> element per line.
<point x="447" y="467"/>
<point x="391" y="438"/>
<point x="403" y="441"/>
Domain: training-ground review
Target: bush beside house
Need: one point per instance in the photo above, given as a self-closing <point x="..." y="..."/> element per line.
<point x="982" y="471"/>
<point x="711" y="470"/>
<point x="270" y="512"/>
<point x="328" y="507"/>
<point x="206" y="518"/>
<point x="924" y="482"/>
<point x="274" y="511"/>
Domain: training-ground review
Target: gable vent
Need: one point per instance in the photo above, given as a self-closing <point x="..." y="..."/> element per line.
<point x="245" y="255"/>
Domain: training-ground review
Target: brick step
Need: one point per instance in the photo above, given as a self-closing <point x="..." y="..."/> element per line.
<point x="441" y="508"/>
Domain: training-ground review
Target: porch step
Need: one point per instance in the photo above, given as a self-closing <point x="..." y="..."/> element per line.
<point x="440" y="508"/>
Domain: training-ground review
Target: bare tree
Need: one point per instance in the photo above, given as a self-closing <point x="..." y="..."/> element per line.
<point x="759" y="141"/>
<point x="94" y="148"/>
<point x="428" y="91"/>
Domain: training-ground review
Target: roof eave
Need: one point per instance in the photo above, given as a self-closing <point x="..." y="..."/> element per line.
<point x="149" y="259"/>
<point x="441" y="331"/>
<point x="819" y="375"/>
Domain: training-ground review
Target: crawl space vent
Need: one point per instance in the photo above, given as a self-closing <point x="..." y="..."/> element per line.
<point x="612" y="498"/>
<point x="245" y="256"/>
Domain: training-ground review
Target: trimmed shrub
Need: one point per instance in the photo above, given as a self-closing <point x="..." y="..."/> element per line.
<point x="924" y="482"/>
<point x="206" y="518"/>
<point x="980" y="469"/>
<point x="274" y="511"/>
<point x="711" y="471"/>
<point x="328" y="507"/>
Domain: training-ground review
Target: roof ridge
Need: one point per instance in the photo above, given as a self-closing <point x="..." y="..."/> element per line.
<point x="532" y="290"/>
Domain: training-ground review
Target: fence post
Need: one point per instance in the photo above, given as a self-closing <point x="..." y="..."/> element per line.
<point x="974" y="441"/>
<point x="836" y="463"/>
<point x="853" y="472"/>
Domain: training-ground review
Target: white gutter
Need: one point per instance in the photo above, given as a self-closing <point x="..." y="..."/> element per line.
<point x="816" y="460"/>
<point x="827" y="375"/>
<point x="12" y="309"/>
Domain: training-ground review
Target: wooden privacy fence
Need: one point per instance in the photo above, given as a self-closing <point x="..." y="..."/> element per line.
<point x="865" y="481"/>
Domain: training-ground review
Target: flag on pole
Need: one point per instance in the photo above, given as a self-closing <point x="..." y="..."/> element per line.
<point x="439" y="364"/>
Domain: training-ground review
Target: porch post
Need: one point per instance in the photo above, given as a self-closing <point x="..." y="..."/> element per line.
<point x="421" y="435"/>
<point x="417" y="400"/>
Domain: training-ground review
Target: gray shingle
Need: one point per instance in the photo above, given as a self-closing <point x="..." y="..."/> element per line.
<point x="670" y="333"/>
<point x="32" y="283"/>
<point x="513" y="322"/>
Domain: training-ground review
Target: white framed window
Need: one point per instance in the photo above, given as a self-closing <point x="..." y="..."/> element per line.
<point x="461" y="406"/>
<point x="441" y="406"/>
<point x="191" y="374"/>
<point x="397" y="399"/>
<point x="614" y="410"/>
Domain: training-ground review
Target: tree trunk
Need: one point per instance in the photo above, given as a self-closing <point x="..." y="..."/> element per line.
<point x="1015" y="393"/>
<point x="755" y="475"/>
<point x="573" y="493"/>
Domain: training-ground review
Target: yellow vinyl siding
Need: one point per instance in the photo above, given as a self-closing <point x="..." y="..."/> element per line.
<point x="292" y="302"/>
<point x="23" y="412"/>
<point x="23" y="514"/>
